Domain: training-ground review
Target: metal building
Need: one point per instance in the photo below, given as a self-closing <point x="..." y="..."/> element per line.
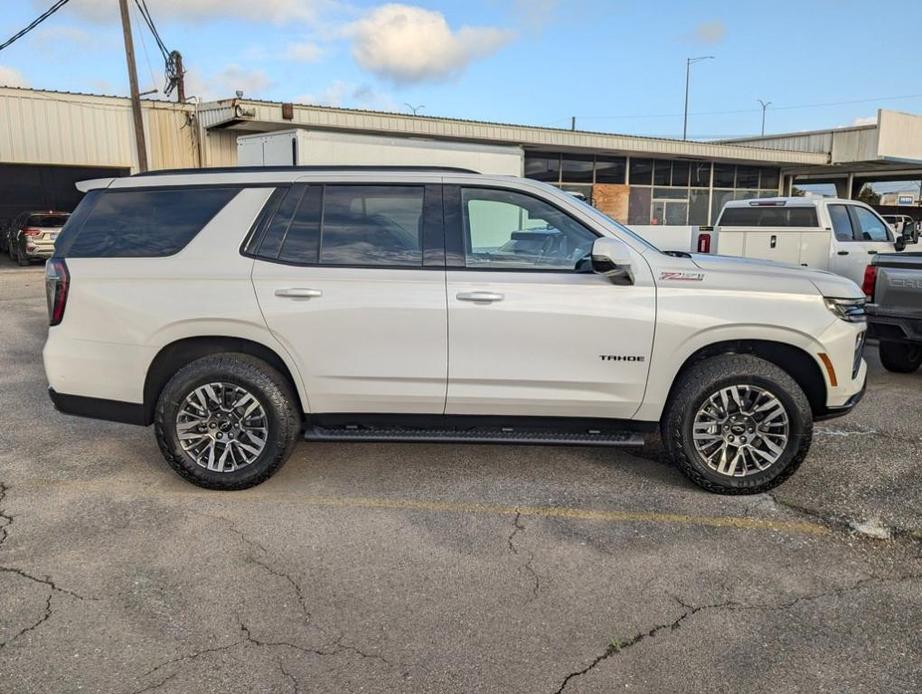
<point x="49" y="140"/>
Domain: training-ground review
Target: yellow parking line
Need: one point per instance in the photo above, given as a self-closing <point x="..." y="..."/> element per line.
<point x="736" y="522"/>
<point x="436" y="506"/>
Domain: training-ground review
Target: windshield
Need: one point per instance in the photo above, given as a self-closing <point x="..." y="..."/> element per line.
<point x="601" y="216"/>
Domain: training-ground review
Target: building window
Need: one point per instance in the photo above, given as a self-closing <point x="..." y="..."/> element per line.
<point x="610" y="169"/>
<point x="543" y="166"/>
<point x="576" y="169"/>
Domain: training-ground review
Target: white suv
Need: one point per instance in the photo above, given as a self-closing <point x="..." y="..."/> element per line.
<point x="239" y="310"/>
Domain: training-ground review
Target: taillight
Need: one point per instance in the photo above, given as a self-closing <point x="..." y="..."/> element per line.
<point x="31" y="231"/>
<point x="870" y="279"/>
<point x="57" y="284"/>
<point x="704" y="243"/>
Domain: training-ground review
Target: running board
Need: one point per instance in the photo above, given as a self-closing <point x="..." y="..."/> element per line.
<point x="475" y="435"/>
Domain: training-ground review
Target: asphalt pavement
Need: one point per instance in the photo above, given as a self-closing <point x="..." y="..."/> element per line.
<point x="448" y="568"/>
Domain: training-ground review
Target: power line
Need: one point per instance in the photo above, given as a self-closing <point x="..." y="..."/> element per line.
<point x="172" y="60"/>
<point x="38" y="20"/>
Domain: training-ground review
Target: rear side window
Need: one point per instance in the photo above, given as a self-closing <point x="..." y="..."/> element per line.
<point x="350" y="225"/>
<point x="769" y="217"/>
<point x="841" y="223"/>
<point x="143" y="223"/>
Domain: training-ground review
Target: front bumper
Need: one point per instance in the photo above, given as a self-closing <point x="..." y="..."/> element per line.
<point x="842" y="410"/>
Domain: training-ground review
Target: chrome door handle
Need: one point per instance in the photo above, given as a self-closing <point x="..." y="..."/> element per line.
<point x="480" y="297"/>
<point x="298" y="293"/>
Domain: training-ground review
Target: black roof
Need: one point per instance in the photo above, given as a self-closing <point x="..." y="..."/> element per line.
<point x="253" y="169"/>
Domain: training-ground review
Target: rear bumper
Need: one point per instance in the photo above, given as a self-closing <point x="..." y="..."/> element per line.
<point x="894" y="328"/>
<point x="98" y="408"/>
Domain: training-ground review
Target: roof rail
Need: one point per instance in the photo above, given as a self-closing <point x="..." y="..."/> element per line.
<point x="271" y="169"/>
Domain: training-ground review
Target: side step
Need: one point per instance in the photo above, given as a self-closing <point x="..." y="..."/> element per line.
<point x="591" y="437"/>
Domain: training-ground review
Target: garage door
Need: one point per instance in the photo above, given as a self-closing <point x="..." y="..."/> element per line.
<point x="33" y="187"/>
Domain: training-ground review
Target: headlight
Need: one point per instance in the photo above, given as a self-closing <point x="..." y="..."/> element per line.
<point x="851" y="310"/>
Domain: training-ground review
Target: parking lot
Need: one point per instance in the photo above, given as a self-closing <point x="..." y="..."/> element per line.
<point x="448" y="568"/>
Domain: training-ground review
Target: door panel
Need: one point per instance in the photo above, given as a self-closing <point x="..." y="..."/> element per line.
<point x="347" y="282"/>
<point x="364" y="340"/>
<point x="531" y="333"/>
<point x="552" y="345"/>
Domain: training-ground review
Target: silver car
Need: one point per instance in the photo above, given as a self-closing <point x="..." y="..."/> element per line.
<point x="31" y="236"/>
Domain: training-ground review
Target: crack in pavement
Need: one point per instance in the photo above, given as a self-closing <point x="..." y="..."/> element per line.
<point x="278" y="573"/>
<point x="517" y="527"/>
<point x="337" y="647"/>
<point x="295" y="684"/>
<point x="46" y="581"/>
<point x="618" y="646"/>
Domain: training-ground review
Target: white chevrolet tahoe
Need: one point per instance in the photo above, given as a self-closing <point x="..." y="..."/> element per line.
<point x="240" y="310"/>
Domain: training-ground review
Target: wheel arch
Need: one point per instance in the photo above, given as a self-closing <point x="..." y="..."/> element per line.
<point x="797" y="362"/>
<point x="176" y="354"/>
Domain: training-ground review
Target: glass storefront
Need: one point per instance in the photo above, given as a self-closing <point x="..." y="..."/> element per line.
<point x="658" y="191"/>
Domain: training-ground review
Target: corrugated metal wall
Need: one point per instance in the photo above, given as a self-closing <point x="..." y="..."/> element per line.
<point x="86" y="130"/>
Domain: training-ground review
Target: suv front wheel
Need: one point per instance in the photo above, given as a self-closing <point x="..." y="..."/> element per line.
<point x="227" y="421"/>
<point x="737" y="424"/>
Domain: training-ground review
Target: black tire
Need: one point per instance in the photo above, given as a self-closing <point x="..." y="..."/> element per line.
<point x="270" y="388"/>
<point x="900" y="357"/>
<point x="698" y="383"/>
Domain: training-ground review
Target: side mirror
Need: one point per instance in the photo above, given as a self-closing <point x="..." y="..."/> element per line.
<point x="612" y="258"/>
<point x="900" y="243"/>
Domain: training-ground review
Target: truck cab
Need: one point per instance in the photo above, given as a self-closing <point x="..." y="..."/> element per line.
<point x="832" y="234"/>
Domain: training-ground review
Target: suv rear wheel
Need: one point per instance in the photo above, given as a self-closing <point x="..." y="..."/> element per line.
<point x="227" y="421"/>
<point x="737" y="424"/>
<point x="900" y="357"/>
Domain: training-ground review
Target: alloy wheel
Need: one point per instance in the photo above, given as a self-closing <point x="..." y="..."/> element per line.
<point x="222" y="427"/>
<point x="741" y="430"/>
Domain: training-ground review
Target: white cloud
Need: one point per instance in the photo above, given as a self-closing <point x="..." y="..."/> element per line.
<point x="271" y="10"/>
<point x="305" y="52"/>
<point x="865" y="120"/>
<point x="224" y="84"/>
<point x="411" y="44"/>
<point x="709" y="32"/>
<point x="10" y="77"/>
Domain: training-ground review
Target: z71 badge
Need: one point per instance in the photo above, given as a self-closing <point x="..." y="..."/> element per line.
<point x="684" y="276"/>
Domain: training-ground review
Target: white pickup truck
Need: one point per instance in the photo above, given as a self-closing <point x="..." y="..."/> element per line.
<point x="832" y="234"/>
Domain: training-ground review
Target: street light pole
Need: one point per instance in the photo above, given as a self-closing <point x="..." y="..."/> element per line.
<point x="414" y="109"/>
<point x="688" y="63"/>
<point x="765" y="105"/>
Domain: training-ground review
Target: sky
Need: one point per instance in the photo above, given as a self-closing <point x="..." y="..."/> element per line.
<point x="616" y="65"/>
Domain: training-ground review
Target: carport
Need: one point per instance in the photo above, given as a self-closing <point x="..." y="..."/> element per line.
<point x="44" y="187"/>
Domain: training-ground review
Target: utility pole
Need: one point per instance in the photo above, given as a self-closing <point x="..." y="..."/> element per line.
<point x="133" y="85"/>
<point x="688" y="63"/>
<point x="765" y="105"/>
<point x="180" y="77"/>
<point x="572" y="122"/>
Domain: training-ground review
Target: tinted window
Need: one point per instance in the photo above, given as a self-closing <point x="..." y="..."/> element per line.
<point x="841" y="223"/>
<point x="724" y="175"/>
<point x="543" y="166"/>
<point x="46" y="220"/>
<point x="504" y="229"/>
<point x="871" y="226"/>
<point x="662" y="172"/>
<point x="680" y="173"/>
<point x="700" y="175"/>
<point x="610" y="170"/>
<point x="146" y="223"/>
<point x="576" y="169"/>
<point x="769" y="217"/>
<point x="372" y="225"/>
<point x="747" y="177"/>
<point x="302" y="240"/>
<point x="282" y="212"/>
<point x="641" y="171"/>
